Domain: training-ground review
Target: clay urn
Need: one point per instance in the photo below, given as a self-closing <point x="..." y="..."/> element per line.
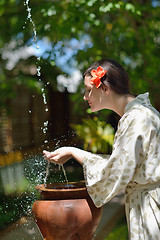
<point x="66" y="212"/>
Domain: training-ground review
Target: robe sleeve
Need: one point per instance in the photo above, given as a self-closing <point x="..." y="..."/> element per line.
<point x="105" y="175"/>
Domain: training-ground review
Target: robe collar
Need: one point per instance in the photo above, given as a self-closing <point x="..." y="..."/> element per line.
<point x="142" y="99"/>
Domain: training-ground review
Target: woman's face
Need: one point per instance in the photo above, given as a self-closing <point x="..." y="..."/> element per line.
<point x="94" y="96"/>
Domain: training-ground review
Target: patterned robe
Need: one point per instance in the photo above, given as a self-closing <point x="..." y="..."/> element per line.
<point x="134" y="165"/>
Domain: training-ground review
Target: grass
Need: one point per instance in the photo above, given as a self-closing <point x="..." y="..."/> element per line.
<point x="120" y="231"/>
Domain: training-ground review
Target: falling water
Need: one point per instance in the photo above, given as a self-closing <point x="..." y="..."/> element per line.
<point x="60" y="167"/>
<point x="48" y="165"/>
<point x="47" y="173"/>
<point x="29" y="17"/>
<point x="45" y="124"/>
<point x="64" y="172"/>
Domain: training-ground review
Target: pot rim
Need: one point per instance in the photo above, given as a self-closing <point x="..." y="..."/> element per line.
<point x="62" y="187"/>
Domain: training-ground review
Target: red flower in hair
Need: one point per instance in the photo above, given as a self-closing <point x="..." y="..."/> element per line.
<point x="97" y="75"/>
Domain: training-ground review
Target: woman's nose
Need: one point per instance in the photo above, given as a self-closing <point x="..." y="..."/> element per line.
<point x="85" y="97"/>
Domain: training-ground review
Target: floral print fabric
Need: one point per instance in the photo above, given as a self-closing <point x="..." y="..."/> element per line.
<point x="134" y="165"/>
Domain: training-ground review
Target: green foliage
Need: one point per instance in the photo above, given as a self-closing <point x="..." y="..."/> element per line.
<point x="127" y="31"/>
<point x="97" y="135"/>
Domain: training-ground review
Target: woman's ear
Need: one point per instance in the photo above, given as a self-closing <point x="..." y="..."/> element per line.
<point x="105" y="88"/>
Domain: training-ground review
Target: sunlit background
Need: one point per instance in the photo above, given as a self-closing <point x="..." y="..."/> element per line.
<point x="45" y="46"/>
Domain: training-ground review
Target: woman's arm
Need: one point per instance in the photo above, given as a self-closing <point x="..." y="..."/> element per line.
<point x="63" y="154"/>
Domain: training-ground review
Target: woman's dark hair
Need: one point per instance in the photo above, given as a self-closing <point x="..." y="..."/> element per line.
<point x="116" y="76"/>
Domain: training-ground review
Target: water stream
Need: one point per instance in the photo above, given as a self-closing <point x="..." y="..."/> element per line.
<point x="60" y="166"/>
<point x="45" y="124"/>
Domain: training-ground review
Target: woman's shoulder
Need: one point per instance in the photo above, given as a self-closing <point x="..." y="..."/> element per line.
<point x="139" y="120"/>
<point x="141" y="114"/>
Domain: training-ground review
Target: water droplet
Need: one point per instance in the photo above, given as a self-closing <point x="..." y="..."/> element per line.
<point x="38" y="71"/>
<point x="45" y="123"/>
<point x="44" y="130"/>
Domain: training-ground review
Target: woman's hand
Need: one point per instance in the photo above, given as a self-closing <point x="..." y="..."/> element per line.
<point x="59" y="156"/>
<point x="63" y="154"/>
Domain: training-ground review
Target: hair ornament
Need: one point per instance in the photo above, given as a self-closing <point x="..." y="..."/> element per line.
<point x="97" y="75"/>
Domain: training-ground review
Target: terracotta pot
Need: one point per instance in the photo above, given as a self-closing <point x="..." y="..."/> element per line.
<point x="66" y="212"/>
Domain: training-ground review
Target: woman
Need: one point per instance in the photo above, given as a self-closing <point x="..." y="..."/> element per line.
<point x="134" y="164"/>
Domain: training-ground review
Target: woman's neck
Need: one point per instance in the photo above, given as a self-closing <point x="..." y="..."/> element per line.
<point x="119" y="102"/>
